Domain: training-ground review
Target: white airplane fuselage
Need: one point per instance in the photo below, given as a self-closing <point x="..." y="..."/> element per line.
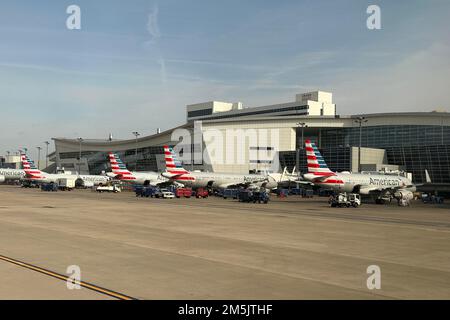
<point x="11" y="174"/>
<point x="54" y="177"/>
<point x="223" y="180"/>
<point x="362" y="183"/>
<point x="148" y="178"/>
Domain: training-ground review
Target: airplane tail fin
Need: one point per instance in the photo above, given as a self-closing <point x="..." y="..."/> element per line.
<point x="119" y="168"/>
<point x="173" y="166"/>
<point x="30" y="168"/>
<point x="316" y="163"/>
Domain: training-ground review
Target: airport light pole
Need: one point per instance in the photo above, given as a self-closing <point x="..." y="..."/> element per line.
<point x="136" y="135"/>
<point x="192" y="157"/>
<point x="303" y="125"/>
<point x="80" y="140"/>
<point x="46" y="155"/>
<point x="360" y="120"/>
<point x="39" y="157"/>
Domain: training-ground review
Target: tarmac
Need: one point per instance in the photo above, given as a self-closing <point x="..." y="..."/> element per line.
<point x="292" y="248"/>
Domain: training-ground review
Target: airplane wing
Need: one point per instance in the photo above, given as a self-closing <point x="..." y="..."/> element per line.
<point x="172" y="176"/>
<point x="110" y="174"/>
<point x="369" y="189"/>
<point x="320" y="178"/>
<point x="302" y="182"/>
<point x="115" y="176"/>
<point x="245" y="184"/>
<point x="377" y="189"/>
<point x="165" y="184"/>
<point x="295" y="178"/>
<point x="234" y="185"/>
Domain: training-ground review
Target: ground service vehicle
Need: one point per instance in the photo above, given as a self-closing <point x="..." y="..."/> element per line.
<point x="142" y="191"/>
<point x="201" y="193"/>
<point x="339" y="200"/>
<point x="253" y="196"/>
<point x="307" y="193"/>
<point x="165" y="194"/>
<point x="231" y="193"/>
<point x="296" y="191"/>
<point x="30" y="184"/>
<point x="426" y="198"/>
<point x="345" y="200"/>
<point x="245" y="195"/>
<point x="52" y="187"/>
<point x="109" y="188"/>
<point x="260" y="196"/>
<point x="183" y="192"/>
<point x="282" y="192"/>
<point x="66" y="184"/>
<point x="354" y="199"/>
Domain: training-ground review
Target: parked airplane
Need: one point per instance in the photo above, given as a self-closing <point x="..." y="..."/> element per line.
<point x="11" y="174"/>
<point x="34" y="174"/>
<point x="176" y="172"/>
<point x="120" y="172"/>
<point x="381" y="186"/>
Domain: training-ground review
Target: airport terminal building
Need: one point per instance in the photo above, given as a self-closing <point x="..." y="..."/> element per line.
<point x="409" y="141"/>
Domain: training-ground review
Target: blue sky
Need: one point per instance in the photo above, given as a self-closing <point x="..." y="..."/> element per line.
<point x="134" y="65"/>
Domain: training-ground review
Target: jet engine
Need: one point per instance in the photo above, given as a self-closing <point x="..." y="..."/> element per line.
<point x="2" y="179"/>
<point x="404" y="195"/>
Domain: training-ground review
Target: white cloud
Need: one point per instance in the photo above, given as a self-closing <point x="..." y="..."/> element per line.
<point x="152" y="23"/>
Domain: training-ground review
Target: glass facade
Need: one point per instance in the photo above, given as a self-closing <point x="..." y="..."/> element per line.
<point x="199" y="113"/>
<point x="386" y="136"/>
<point x="416" y="159"/>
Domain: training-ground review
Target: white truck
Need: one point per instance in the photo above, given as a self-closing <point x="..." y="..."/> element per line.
<point x="165" y="194"/>
<point x="345" y="200"/>
<point x="109" y="188"/>
<point x="66" y="184"/>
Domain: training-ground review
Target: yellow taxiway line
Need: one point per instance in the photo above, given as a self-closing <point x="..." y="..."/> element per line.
<point x="83" y="284"/>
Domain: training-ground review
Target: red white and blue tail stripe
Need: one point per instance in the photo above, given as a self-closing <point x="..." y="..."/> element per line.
<point x="316" y="163"/>
<point x="173" y="166"/>
<point x="119" y="168"/>
<point x="31" y="171"/>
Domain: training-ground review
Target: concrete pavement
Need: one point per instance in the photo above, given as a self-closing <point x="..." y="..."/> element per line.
<point x="221" y="249"/>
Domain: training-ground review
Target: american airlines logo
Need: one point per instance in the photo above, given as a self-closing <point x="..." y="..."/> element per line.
<point x="94" y="178"/>
<point x="384" y="182"/>
<point x="12" y="173"/>
<point x="252" y="179"/>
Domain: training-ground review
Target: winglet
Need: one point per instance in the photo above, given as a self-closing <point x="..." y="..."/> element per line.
<point x="427" y="177"/>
